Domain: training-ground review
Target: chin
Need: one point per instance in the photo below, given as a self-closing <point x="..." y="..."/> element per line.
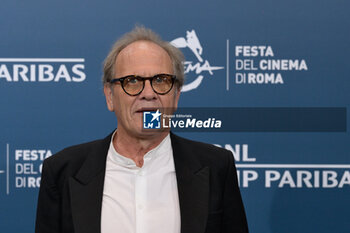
<point x="152" y="133"/>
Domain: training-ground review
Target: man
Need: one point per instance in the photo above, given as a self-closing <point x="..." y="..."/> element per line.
<point x="138" y="180"/>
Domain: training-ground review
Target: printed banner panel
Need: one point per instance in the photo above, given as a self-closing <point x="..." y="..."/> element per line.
<point x="274" y="73"/>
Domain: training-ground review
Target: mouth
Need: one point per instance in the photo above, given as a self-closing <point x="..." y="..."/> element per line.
<point x="142" y="110"/>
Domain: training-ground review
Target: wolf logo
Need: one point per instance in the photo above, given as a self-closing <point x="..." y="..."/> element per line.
<point x="192" y="42"/>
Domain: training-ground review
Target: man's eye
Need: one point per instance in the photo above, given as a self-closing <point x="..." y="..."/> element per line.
<point x="132" y="80"/>
<point x="159" y="79"/>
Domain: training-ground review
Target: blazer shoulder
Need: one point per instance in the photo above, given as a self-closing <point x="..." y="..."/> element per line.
<point x="69" y="160"/>
<point x="73" y="152"/>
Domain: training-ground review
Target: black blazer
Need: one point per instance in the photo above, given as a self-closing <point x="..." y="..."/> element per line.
<point x="70" y="196"/>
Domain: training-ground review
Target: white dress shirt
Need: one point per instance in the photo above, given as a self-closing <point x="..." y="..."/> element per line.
<point x="141" y="200"/>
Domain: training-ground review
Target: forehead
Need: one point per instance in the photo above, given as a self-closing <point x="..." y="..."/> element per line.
<point x="143" y="58"/>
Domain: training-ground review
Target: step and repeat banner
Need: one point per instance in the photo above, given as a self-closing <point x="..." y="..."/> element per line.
<point x="272" y="75"/>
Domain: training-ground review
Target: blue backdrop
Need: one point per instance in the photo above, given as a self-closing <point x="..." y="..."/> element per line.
<point x="251" y="53"/>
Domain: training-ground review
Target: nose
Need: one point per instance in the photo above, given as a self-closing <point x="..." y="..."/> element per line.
<point x="148" y="92"/>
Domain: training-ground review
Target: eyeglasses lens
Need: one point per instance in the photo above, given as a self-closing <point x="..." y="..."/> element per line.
<point x="132" y="85"/>
<point x="162" y="83"/>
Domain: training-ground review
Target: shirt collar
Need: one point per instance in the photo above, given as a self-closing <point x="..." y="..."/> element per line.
<point x="164" y="148"/>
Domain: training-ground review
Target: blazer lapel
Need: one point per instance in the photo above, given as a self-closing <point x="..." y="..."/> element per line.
<point x="193" y="187"/>
<point x="86" y="189"/>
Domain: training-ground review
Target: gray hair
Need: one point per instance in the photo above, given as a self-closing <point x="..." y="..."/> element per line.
<point x="142" y="33"/>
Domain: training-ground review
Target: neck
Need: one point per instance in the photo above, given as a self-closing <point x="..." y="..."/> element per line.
<point x="136" y="147"/>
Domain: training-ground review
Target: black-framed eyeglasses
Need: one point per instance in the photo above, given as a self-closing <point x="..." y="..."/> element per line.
<point x="134" y="85"/>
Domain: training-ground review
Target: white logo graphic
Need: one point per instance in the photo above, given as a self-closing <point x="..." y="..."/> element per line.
<point x="156" y="115"/>
<point x="151" y="120"/>
<point x="286" y="175"/>
<point x="42" y="70"/>
<point x="192" y="42"/>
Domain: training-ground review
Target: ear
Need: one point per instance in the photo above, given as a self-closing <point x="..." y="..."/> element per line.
<point x="107" y="89"/>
